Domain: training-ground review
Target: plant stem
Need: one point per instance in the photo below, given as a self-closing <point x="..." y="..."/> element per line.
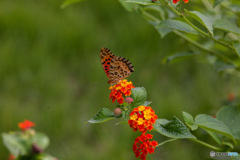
<point x="200" y="46"/>
<point x="170" y="140"/>
<point x="195" y="43"/>
<point x="199" y="30"/>
<point x="206" y="144"/>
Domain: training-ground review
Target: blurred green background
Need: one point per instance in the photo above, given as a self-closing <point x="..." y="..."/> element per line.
<point x="50" y="73"/>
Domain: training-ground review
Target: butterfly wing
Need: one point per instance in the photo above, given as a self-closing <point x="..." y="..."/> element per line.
<point x="120" y="68"/>
<point x="106" y="57"/>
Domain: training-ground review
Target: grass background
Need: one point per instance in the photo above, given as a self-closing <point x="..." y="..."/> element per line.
<point x="50" y="73"/>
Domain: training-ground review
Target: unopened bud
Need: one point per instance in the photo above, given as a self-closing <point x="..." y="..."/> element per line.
<point x="117" y="111"/>
<point x="129" y="100"/>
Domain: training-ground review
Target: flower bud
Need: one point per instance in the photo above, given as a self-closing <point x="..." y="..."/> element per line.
<point x="231" y="96"/>
<point x="117" y="111"/>
<point x="129" y="100"/>
<point x="36" y="149"/>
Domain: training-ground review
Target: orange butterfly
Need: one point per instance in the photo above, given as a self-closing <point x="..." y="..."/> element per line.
<point x="116" y="68"/>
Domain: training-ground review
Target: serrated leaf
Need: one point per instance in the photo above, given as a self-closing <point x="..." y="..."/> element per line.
<point x="178" y="25"/>
<point x="41" y="140"/>
<point x="217" y="2"/>
<point x="230" y="116"/>
<point x="180" y="55"/>
<point x="226" y="26"/>
<point x="139" y="95"/>
<point x="142" y="2"/>
<point x="204" y="20"/>
<point x="214" y="125"/>
<point x="188" y="118"/>
<point x="102" y="116"/>
<point x="173" y="128"/>
<point x="69" y="2"/>
<point x="15" y="144"/>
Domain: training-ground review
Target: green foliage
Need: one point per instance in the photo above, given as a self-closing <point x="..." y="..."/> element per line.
<point x="212" y="124"/>
<point x="139" y="95"/>
<point x="230" y="116"/>
<point x="69" y="2"/>
<point x="188" y="118"/>
<point x="27" y="144"/>
<point x="173" y="128"/>
<point x="102" y="116"/>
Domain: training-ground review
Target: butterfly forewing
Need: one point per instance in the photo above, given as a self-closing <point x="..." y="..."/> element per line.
<point x="116" y="68"/>
<point x="106" y="57"/>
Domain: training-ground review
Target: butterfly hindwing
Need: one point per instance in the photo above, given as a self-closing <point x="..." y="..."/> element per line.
<point x="120" y="68"/>
<point x="116" y="68"/>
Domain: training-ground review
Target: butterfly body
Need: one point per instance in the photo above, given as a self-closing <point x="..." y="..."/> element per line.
<point x="116" y="68"/>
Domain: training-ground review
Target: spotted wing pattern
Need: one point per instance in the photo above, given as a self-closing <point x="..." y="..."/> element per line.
<point x="106" y="57"/>
<point x="116" y="68"/>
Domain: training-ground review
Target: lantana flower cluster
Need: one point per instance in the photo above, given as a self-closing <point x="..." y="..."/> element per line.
<point x="142" y="146"/>
<point x="121" y="89"/>
<point x="142" y="118"/>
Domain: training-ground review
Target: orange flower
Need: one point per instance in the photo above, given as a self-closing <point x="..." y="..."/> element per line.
<point x="142" y="146"/>
<point x="122" y="88"/>
<point x="185" y="1"/>
<point x="26" y="124"/>
<point x="142" y="118"/>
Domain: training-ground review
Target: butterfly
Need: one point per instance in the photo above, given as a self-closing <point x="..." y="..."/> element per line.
<point x="116" y="68"/>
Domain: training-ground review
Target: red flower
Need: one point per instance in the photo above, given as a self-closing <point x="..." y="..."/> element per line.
<point x="11" y="157"/>
<point x="175" y="1"/>
<point x="26" y="124"/>
<point x="142" y="146"/>
<point x="142" y="118"/>
<point x="122" y="88"/>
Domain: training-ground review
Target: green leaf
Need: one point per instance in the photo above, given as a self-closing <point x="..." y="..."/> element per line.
<point x="237" y="48"/>
<point x="188" y="118"/>
<point x="41" y="140"/>
<point x="128" y="6"/>
<point x="222" y="66"/>
<point x="15" y="144"/>
<point x="173" y="128"/>
<point x="178" y="25"/>
<point x="230" y="145"/>
<point x="215" y="137"/>
<point x="139" y="95"/>
<point x="212" y="124"/>
<point x="146" y="103"/>
<point x="230" y="116"/>
<point x="204" y="20"/>
<point x="180" y="55"/>
<point x="226" y="26"/>
<point x="69" y="2"/>
<point x="44" y="157"/>
<point x="163" y="30"/>
<point x="102" y="116"/>
<point x="217" y="2"/>
<point x="142" y="2"/>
